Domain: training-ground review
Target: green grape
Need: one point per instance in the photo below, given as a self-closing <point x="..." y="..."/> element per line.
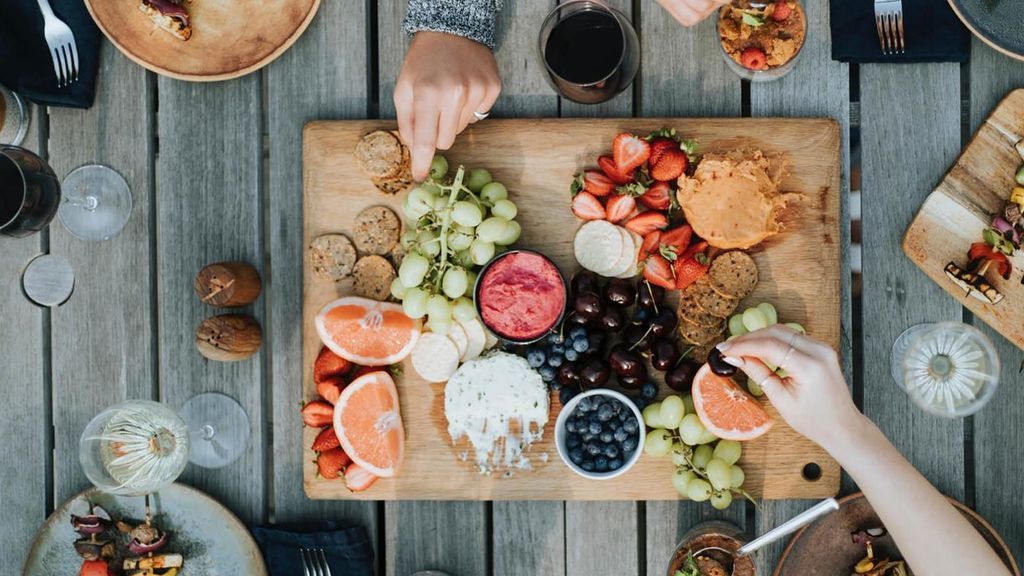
<point x="459" y="241"/>
<point x="690" y="429"/>
<point x="464" y="258"/>
<point x="796" y="327"/>
<point x="492" y="229"/>
<point x="769" y="312"/>
<point x="736" y="327"/>
<point x="409" y="238"/>
<point x="505" y="208"/>
<point x="398" y="289"/>
<point x="754" y="387"/>
<point x="440" y="204"/>
<point x="470" y="230"/>
<point x="493" y="191"/>
<point x="736" y="476"/>
<point x="707" y="437"/>
<point x="688" y="402"/>
<point x="463" y="310"/>
<point x="718" y="474"/>
<point x="414" y="304"/>
<point x="439" y="325"/>
<point x="434" y="189"/>
<point x="681" y="478"/>
<point x="467" y="213"/>
<point x="754" y="319"/>
<point x="728" y="451"/>
<point x="781" y="373"/>
<point x="439" y="308"/>
<point x="658" y="443"/>
<point x="477" y="179"/>
<point x="681" y="453"/>
<point x="512" y="232"/>
<point x="702" y="455"/>
<point x="420" y="202"/>
<point x="413" y="269"/>
<point x="481" y="251"/>
<point x="438" y="167"/>
<point x="672" y="411"/>
<point x="652" y="415"/>
<point x="721" y="500"/>
<point x="428" y="244"/>
<point x="470" y="278"/>
<point x="698" y="490"/>
<point x="454" y="283"/>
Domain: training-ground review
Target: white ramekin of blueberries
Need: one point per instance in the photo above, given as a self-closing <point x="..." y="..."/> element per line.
<point x="599" y="434"/>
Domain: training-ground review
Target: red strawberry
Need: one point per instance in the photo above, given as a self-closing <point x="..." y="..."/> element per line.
<point x="619" y="207"/>
<point x="612" y="171"/>
<point x="647" y="222"/>
<point x="670" y="164"/>
<point x="317" y="414"/>
<point x="660" y="144"/>
<point x="357" y="478"/>
<point x="687" y="272"/>
<point x="650" y="245"/>
<point x="754" y="59"/>
<point x="331" y="463"/>
<point x="330" y="389"/>
<point x="364" y="370"/>
<point x="698" y="251"/>
<point x="329" y="365"/>
<point x="678" y="238"/>
<point x="658" y="196"/>
<point x="597" y="183"/>
<point x="781" y="11"/>
<point x="658" y="271"/>
<point x="587" y="207"/>
<point x="630" y="152"/>
<point x="326" y="440"/>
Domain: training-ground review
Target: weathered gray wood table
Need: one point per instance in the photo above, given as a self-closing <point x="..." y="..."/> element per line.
<point x="215" y="172"/>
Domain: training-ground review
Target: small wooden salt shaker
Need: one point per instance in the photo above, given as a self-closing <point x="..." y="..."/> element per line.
<point x="228" y="337"/>
<point x="228" y="284"/>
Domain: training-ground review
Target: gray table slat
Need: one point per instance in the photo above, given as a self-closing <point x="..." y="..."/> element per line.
<point x="104" y="346"/>
<point x="308" y="82"/>
<point x="528" y="538"/>
<point x="910" y="134"/>
<point x="209" y="210"/>
<point x="448" y="536"/>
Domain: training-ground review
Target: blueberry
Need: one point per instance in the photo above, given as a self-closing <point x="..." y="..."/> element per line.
<point x="581" y="345"/>
<point x="586" y="437"/>
<point x="573" y="441"/>
<point x="556" y="338"/>
<point x="576" y="455"/>
<point x="584" y="405"/>
<point x="601" y="464"/>
<point x="577" y="332"/>
<point x="570" y="426"/>
<point x="620" y="435"/>
<point x="536" y="357"/>
<point x="640" y="403"/>
<point x="614" y="464"/>
<point x="649" y="391"/>
<point x="547" y="373"/>
<point x="593" y="448"/>
<point x="556" y="385"/>
<point x="631" y="426"/>
<point x="557" y="349"/>
<point x="565" y="395"/>
<point x="606" y="437"/>
<point x="611" y="451"/>
<point x="629" y="445"/>
<point x="571" y="354"/>
<point x="587" y="465"/>
<point x="555" y="360"/>
<point x="595" y="428"/>
<point x="605" y="412"/>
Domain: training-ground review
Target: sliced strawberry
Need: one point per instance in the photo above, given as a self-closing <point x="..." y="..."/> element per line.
<point x="650" y="245"/>
<point x="358" y="479"/>
<point x="597" y="183"/>
<point x="331" y="463"/>
<point x="317" y="414"/>
<point x="630" y="152"/>
<point x="329" y="365"/>
<point x="586" y="206"/>
<point x="698" y="251"/>
<point x="647" y="222"/>
<point x="620" y="207"/>
<point x="607" y="164"/>
<point x="330" y="389"/>
<point x="669" y="164"/>
<point x="657" y="197"/>
<point x="326" y="440"/>
<point x="678" y="237"/>
<point x="754" y="59"/>
<point x="781" y="11"/>
<point x="660" y="144"/>
<point x="96" y="568"/>
<point x="687" y="272"/>
<point x="658" y="271"/>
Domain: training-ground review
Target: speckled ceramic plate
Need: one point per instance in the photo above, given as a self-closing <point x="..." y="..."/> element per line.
<point x="999" y="23"/>
<point x="211" y="539"/>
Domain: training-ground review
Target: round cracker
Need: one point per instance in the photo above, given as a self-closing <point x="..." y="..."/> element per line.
<point x="627" y="259"/>
<point x="689" y="310"/>
<point x="733" y="274"/>
<point x="435" y="357"/>
<point x="634" y="267"/>
<point x="373" y="277"/>
<point x="598" y="246"/>
<point x="458" y="335"/>
<point x="698" y="335"/>
<point x="476" y="336"/>
<point x="710" y="301"/>
<point x="379" y="154"/>
<point x="332" y="256"/>
<point x="377" y="230"/>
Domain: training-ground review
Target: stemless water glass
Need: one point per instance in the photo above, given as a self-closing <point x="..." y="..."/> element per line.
<point x="14" y="118"/>
<point x="949" y="369"/>
<point x="590" y="51"/>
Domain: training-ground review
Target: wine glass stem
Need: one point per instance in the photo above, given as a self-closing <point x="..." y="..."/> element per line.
<point x="87" y="202"/>
<point x="207" y="431"/>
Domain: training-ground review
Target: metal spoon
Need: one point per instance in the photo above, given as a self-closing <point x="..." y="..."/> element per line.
<point x="795" y="523"/>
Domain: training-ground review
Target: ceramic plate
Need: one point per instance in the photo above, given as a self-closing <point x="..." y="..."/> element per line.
<point x="997" y="22"/>
<point x="825" y="547"/>
<point x="211" y="539"/>
<point x="229" y="38"/>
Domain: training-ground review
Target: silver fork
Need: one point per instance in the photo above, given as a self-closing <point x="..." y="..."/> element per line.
<point x="889" y="22"/>
<point x="314" y="562"/>
<point x="63" y="48"/>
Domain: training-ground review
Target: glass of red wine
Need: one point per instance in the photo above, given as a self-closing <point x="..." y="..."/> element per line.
<point x="590" y="51"/>
<point x="29" y="192"/>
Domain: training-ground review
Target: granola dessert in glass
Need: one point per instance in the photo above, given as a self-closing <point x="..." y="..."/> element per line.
<point x="762" y="44"/>
<point x="695" y="555"/>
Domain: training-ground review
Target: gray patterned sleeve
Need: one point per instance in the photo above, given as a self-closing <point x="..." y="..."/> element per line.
<point x="473" y="19"/>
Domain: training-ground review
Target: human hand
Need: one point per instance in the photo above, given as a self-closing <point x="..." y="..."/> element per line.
<point x="813" y="398"/>
<point x="444" y="80"/>
<point x="691" y="12"/>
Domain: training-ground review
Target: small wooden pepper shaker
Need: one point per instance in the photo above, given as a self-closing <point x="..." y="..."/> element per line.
<point x="228" y="284"/>
<point x="228" y="337"/>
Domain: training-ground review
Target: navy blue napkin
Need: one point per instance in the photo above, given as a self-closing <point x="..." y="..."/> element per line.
<point x="348" y="550"/>
<point x="25" y="63"/>
<point x="932" y="32"/>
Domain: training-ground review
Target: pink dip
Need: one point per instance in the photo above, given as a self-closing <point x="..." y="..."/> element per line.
<point x="521" y="296"/>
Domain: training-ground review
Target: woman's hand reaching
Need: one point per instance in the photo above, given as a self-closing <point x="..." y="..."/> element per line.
<point x="691" y="12"/>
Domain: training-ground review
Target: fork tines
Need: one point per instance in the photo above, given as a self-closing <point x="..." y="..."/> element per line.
<point x="889" y="22"/>
<point x="314" y="562"/>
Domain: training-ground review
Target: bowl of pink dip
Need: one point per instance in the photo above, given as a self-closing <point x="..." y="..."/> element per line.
<point x="520" y="296"/>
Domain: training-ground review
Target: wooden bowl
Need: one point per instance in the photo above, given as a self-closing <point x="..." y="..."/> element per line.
<point x="825" y="547"/>
<point x="230" y="38"/>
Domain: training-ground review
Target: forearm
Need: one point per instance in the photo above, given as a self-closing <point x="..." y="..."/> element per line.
<point x="933" y="536"/>
<point x="473" y="19"/>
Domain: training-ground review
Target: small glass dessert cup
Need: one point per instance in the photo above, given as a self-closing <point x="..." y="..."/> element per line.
<point x="755" y="45"/>
<point x="708" y="536"/>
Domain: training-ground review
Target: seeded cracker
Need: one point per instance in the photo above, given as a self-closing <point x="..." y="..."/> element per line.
<point x="380" y="154"/>
<point x="710" y="301"/>
<point x="332" y="256"/>
<point x="695" y="334"/>
<point x="377" y="230"/>
<point x="373" y="277"/>
<point x="694" y="314"/>
<point x="733" y="274"/>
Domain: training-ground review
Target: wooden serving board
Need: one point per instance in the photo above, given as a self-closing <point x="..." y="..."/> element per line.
<point x="960" y="208"/>
<point x="536" y="160"/>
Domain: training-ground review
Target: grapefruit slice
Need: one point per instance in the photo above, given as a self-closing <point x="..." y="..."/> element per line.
<point x="725" y="409"/>
<point x="369" y="424"/>
<point x="367" y="332"/>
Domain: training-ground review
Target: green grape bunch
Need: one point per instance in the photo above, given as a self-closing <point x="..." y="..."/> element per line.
<point x="454" y="226"/>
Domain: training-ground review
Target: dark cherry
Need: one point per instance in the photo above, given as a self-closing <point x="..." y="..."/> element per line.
<point x="613" y="319"/>
<point x="719" y="365"/>
<point x="584" y="281"/>
<point x="595" y="373"/>
<point x="664" y="323"/>
<point x="631" y="382"/>
<point x="588" y="305"/>
<point x="649" y="295"/>
<point x="577" y="319"/>
<point x="626" y="362"/>
<point x="665" y="354"/>
<point x="621" y="292"/>
<point x="568" y="374"/>
<point x="680" y="378"/>
<point x="637" y="338"/>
